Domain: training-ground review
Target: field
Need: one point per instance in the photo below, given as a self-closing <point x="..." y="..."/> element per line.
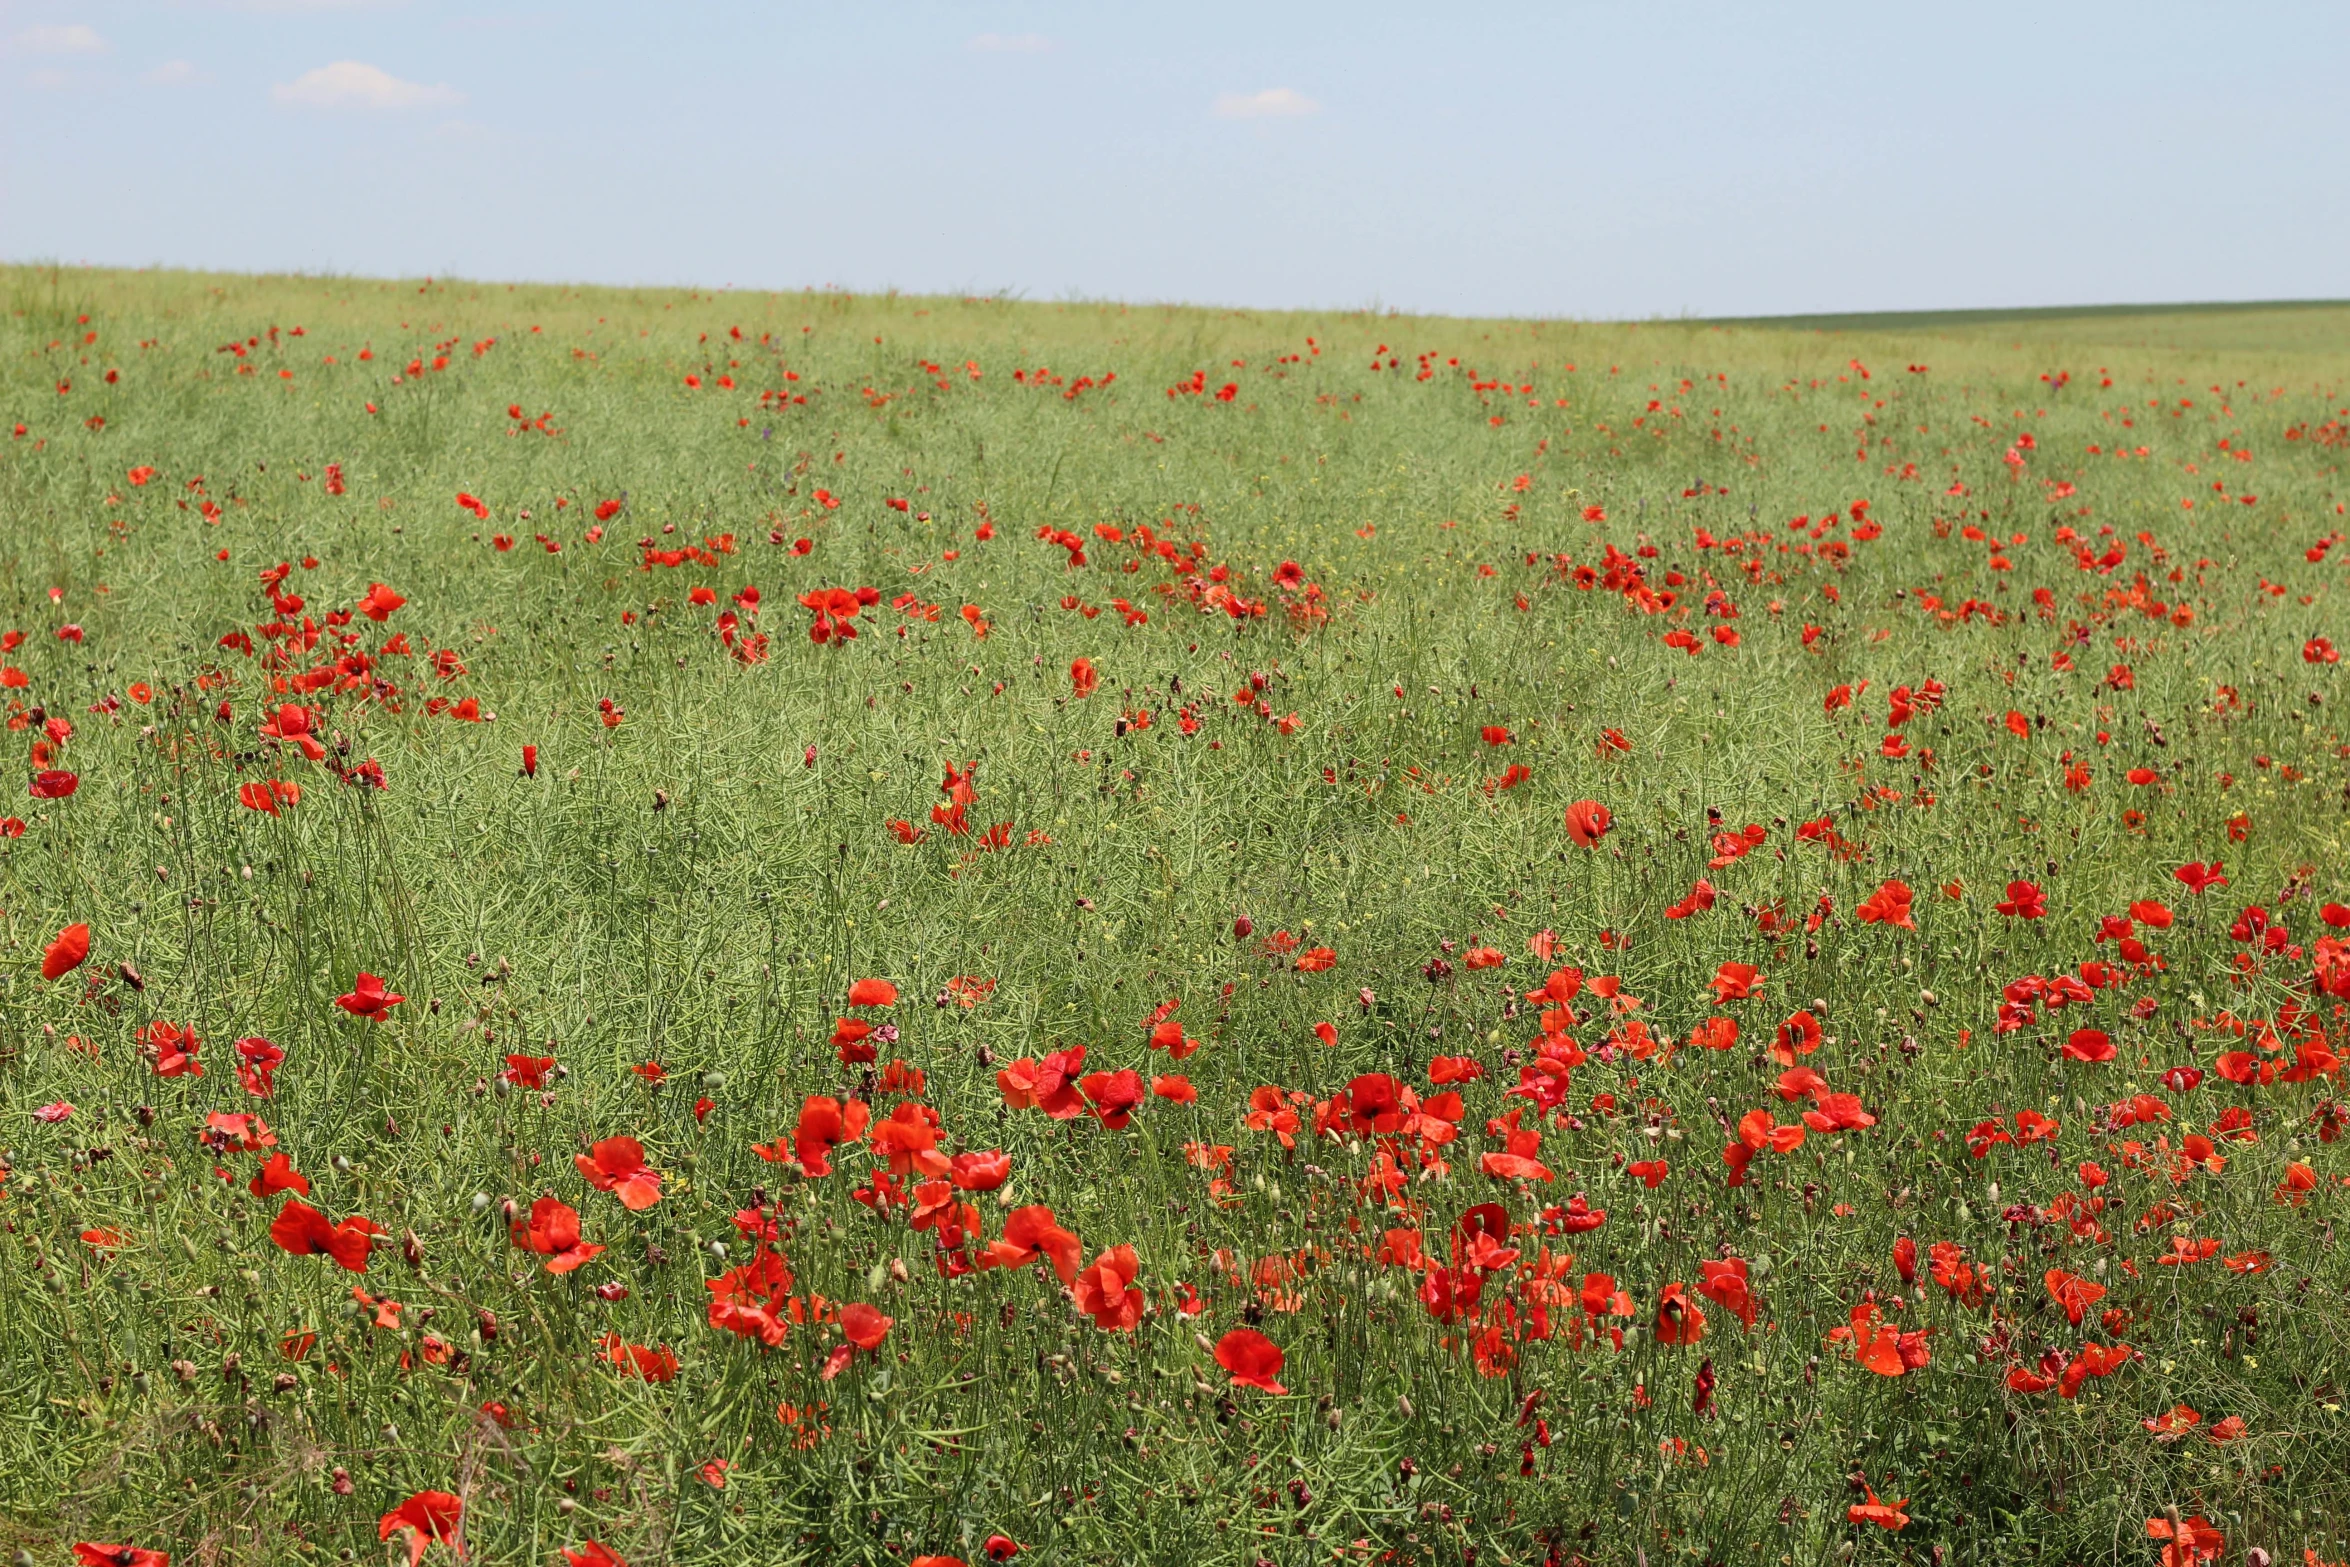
<point x="831" y="928"/>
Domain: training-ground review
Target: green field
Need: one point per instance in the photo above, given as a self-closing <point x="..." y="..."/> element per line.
<point x="1619" y="887"/>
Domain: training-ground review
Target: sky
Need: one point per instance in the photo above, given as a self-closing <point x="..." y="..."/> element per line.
<point x="1562" y="160"/>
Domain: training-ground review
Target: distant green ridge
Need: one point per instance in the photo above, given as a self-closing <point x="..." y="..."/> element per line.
<point x="1895" y="320"/>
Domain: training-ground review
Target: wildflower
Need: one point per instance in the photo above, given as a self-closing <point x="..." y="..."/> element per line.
<point x="1030" y="1233"/>
<point x="172" y="1047"/>
<point x="553" y="1233"/>
<point x="425" y="1517"/>
<point x="2025" y="901"/>
<point x="302" y="1231"/>
<point x="2190" y="1540"/>
<point x="67" y="953"/>
<point x="617" y="1165"/>
<point x="368" y="999"/>
<point x="1253" y="1359"/>
<point x="1889" y="904"/>
<point x="1106" y="1291"/>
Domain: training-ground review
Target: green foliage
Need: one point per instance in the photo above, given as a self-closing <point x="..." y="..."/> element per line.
<point x="696" y="884"/>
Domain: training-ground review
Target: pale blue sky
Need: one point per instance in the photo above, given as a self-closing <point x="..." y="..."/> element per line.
<point x="1558" y="160"/>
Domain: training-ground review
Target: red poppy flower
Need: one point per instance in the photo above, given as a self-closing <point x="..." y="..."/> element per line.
<point x="1588" y="822"/>
<point x="873" y="993"/>
<point x="268" y="794"/>
<point x="1107" y="1293"/>
<point x="54" y="783"/>
<point x="427" y="1516"/>
<point x="173" y="1048"/>
<point x="1678" y="1321"/>
<point x="67" y="952"/>
<point x="302" y="1231"/>
<point x="2089" y="1044"/>
<point x="1083" y="678"/>
<point x="1112" y="1097"/>
<point x="2193" y="1540"/>
<point x="278" y="1174"/>
<point x="824" y="1121"/>
<point x="1837" y="1112"/>
<point x="908" y="1139"/>
<point x="368" y="998"/>
<point x="617" y="1165"/>
<point x="980" y="1172"/>
<point x="1030" y="1233"/>
<point x="1253" y="1359"/>
<point x="640" y="1360"/>
<point x="2199" y="877"/>
<point x="1736" y="982"/>
<point x="848" y="1038"/>
<point x="865" y="1326"/>
<point x="379" y="602"/>
<point x="1725" y="1285"/>
<point x="257" y="1064"/>
<point x="2074" y="1293"/>
<point x="87" y="1555"/>
<point x="1176" y="1087"/>
<point x="1885" y="1515"/>
<point x="592" y="1553"/>
<point x="1049" y="1085"/>
<point x="553" y="1233"/>
<point x="1889" y="904"/>
<point x="2025" y="901"/>
<point x="1800" y="1035"/>
<point x="528" y="1071"/>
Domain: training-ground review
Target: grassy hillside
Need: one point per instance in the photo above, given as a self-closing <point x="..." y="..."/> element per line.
<point x="1642" y="907"/>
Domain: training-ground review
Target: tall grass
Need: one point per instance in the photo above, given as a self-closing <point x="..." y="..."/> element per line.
<point x="697" y="884"/>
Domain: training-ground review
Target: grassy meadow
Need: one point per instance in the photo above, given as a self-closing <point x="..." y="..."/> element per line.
<point x="1497" y="942"/>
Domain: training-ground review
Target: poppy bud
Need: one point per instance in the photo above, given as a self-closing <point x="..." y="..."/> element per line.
<point x="1243" y="928"/>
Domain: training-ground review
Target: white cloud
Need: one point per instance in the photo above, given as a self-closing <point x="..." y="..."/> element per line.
<point x="172" y="73"/>
<point x="347" y="84"/>
<point x="67" y="38"/>
<point x="1274" y="103"/>
<point x="1009" y="43"/>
